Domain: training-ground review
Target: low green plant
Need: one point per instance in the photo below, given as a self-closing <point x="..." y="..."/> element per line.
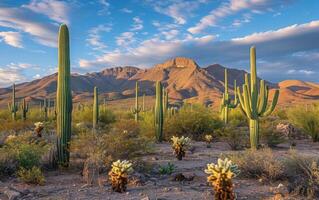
<point x="306" y="119"/>
<point x="270" y="136"/>
<point x="167" y="169"/>
<point x="31" y="176"/>
<point x="236" y="137"/>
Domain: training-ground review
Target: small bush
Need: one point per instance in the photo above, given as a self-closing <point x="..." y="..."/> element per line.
<point x="307" y="119"/>
<point x="270" y="136"/>
<point x="303" y="175"/>
<point x="192" y="122"/>
<point x="259" y="164"/>
<point x="8" y="162"/>
<point x="31" y="176"/>
<point x="167" y="169"/>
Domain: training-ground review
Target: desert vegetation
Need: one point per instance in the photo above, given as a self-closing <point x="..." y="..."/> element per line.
<point x="244" y="150"/>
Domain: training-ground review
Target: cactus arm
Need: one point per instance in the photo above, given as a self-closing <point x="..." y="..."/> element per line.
<point x="241" y="100"/>
<point x="273" y="104"/>
<point x="247" y="102"/>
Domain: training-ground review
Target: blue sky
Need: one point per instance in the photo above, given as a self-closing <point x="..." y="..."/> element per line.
<point x="108" y="33"/>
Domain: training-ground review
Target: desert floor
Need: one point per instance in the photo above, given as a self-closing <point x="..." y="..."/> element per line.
<point x="69" y="184"/>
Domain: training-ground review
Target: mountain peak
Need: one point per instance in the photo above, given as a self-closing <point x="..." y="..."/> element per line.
<point x="179" y="62"/>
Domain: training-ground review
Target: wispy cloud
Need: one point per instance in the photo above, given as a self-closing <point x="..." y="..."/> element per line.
<point x="137" y="24"/>
<point x="230" y="8"/>
<point x="95" y="38"/>
<point x="14" y="73"/>
<point x="12" y="38"/>
<point x="126" y="10"/>
<point x="105" y="7"/>
<point x="55" y="10"/>
<point x="300" y="71"/>
<point x="125" y="39"/>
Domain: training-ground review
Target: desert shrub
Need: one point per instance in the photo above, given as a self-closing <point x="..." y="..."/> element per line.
<point x="14" y="127"/>
<point x="31" y="176"/>
<point x="259" y="164"/>
<point x="166" y="169"/>
<point x="83" y="116"/>
<point x="193" y="122"/>
<point x="306" y="119"/>
<point x="303" y="175"/>
<point x="107" y="117"/>
<point x="236" y="117"/>
<point x="147" y="125"/>
<point x="235" y="136"/>
<point x="270" y="136"/>
<point x="281" y="113"/>
<point x="8" y="162"/>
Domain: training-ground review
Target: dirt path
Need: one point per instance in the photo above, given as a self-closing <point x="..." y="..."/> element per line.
<point x="69" y="184"/>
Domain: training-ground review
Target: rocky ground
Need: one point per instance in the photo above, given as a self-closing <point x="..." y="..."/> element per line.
<point x="69" y="184"/>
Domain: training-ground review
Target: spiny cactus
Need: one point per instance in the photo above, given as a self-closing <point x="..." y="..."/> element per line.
<point x="13" y="107"/>
<point x="104" y="105"/>
<point x="25" y="109"/>
<point x="45" y="109"/>
<point x="159" y="115"/>
<point x="39" y="126"/>
<point x="227" y="103"/>
<point x="118" y="175"/>
<point x="179" y="146"/>
<point x="220" y="177"/>
<point x="208" y="140"/>
<point x="165" y="100"/>
<point x="143" y="103"/>
<point x="253" y="102"/>
<point x="63" y="98"/>
<point x="137" y="109"/>
<point x="95" y="108"/>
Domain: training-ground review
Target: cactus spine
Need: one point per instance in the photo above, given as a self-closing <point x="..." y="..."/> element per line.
<point x="95" y="108"/>
<point x="64" y="98"/>
<point x="13" y="108"/>
<point x="25" y="109"/>
<point x="159" y="115"/>
<point x="227" y="103"/>
<point x="137" y="108"/>
<point x="253" y="102"/>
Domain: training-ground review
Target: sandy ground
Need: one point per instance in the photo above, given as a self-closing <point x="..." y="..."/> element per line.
<point x="69" y="184"/>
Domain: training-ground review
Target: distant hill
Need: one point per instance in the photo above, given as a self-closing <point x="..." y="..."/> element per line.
<point x="183" y="78"/>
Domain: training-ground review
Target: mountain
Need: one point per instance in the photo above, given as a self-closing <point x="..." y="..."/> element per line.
<point x="183" y="78"/>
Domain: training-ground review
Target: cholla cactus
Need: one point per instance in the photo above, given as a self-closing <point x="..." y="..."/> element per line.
<point x="119" y="175"/>
<point x="179" y="145"/>
<point x="39" y="126"/>
<point x="221" y="175"/>
<point x="208" y="140"/>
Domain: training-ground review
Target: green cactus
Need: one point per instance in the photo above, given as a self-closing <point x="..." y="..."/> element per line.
<point x="159" y="115"/>
<point x="137" y="108"/>
<point x="13" y="108"/>
<point x="45" y="109"/>
<point x="104" y="105"/>
<point x="63" y="98"/>
<point x="95" y="108"/>
<point x="143" y="103"/>
<point x="227" y="103"/>
<point x="165" y="100"/>
<point x="25" y="109"/>
<point x="253" y="102"/>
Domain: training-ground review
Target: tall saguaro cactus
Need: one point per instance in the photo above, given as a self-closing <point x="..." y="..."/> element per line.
<point x="95" y="108"/>
<point x="45" y="109"/>
<point x="159" y="115"/>
<point x="63" y="98"/>
<point x="165" y="100"/>
<point x="253" y="102"/>
<point x="25" y="109"/>
<point x="13" y="108"/>
<point x="227" y="103"/>
<point x="137" y="109"/>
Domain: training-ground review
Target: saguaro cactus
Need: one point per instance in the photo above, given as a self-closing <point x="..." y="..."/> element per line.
<point x="13" y="108"/>
<point x="25" y="109"/>
<point x="45" y="109"/>
<point x="143" y="103"/>
<point x="159" y="116"/>
<point x="227" y="103"/>
<point x="165" y="100"/>
<point x="95" y="108"/>
<point x="63" y="98"/>
<point x="137" y="108"/>
<point x="253" y="102"/>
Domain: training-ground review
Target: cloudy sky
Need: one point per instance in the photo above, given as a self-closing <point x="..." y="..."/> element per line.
<point x="107" y="33"/>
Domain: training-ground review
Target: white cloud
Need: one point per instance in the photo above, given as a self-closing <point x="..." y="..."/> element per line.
<point x="170" y="34"/>
<point x="12" y="38"/>
<point x="55" y="10"/>
<point x="179" y="10"/>
<point x="94" y="39"/>
<point x="230" y="8"/>
<point x="300" y="71"/>
<point x="10" y="76"/>
<point x="137" y="24"/>
<point x="126" y="10"/>
<point x="125" y="39"/>
<point x="105" y="7"/>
